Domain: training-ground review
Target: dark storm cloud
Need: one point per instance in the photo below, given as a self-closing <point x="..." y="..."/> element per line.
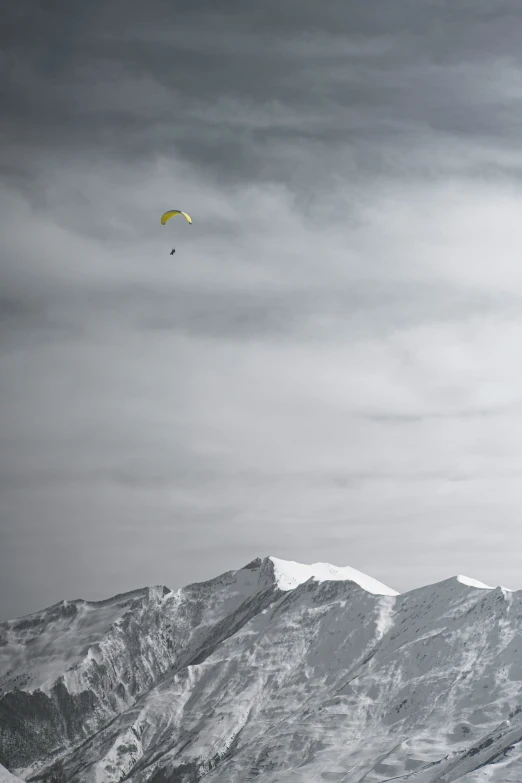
<point x="228" y="87"/>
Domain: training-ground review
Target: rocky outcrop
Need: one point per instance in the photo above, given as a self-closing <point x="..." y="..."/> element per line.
<point x="262" y="674"/>
<point x="78" y="665"/>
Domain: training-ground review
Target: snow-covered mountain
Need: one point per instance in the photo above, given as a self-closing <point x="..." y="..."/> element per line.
<point x="279" y="670"/>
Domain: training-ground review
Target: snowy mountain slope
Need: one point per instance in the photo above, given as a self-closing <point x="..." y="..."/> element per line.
<point x="69" y="670"/>
<point x="6" y="777"/>
<point x="41" y="646"/>
<point x="437" y="682"/>
<point x="317" y="679"/>
<point x="200" y="711"/>
<point x="290" y="575"/>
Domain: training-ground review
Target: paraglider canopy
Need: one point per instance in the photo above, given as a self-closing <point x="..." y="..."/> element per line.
<point x="171" y="213"/>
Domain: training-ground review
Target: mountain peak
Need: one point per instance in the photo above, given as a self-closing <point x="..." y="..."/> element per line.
<point x="236" y="677"/>
<point x="289" y="575"/>
<point x="470" y="582"/>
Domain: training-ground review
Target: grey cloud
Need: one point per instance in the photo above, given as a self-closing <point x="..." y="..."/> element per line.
<point x="139" y="82"/>
<point x="327" y="369"/>
<point x="294" y="315"/>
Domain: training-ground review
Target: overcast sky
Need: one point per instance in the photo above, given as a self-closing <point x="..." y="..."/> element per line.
<point x="330" y="367"/>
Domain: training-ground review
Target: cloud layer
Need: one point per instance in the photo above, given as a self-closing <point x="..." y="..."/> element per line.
<point x="329" y="368"/>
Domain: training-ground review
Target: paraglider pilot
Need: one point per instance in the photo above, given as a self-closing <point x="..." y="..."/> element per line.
<point x="170" y="214"/>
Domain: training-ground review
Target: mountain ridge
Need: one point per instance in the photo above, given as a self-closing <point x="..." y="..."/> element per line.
<point x="277" y="669"/>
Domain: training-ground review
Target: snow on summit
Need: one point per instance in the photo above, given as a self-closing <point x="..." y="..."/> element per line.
<point x="469" y="582"/>
<point x="289" y="575"/>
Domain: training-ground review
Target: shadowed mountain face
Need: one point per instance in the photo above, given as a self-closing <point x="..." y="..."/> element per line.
<point x="280" y="670"/>
<point x="70" y="670"/>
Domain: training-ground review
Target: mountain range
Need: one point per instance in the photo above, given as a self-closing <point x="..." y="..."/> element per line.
<point x="278" y="671"/>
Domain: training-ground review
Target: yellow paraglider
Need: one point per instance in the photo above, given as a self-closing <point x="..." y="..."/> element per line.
<point x="171" y="213"/>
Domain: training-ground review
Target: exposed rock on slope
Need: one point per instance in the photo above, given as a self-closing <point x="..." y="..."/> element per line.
<point x="68" y="671"/>
<point x="260" y="672"/>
